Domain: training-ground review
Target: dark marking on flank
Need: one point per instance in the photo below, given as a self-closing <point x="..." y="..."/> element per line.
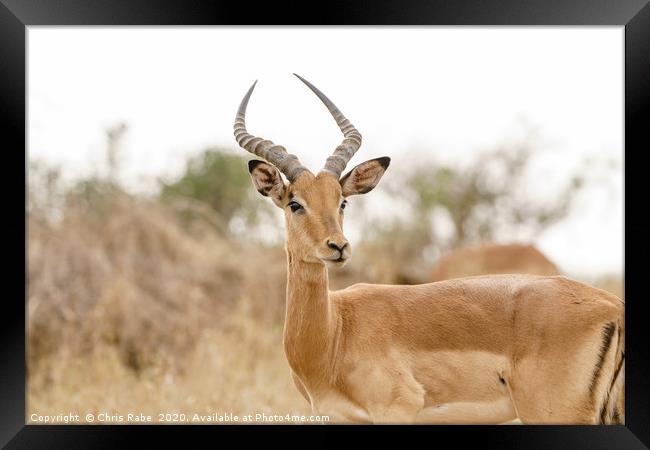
<point x="503" y="382"/>
<point x="608" y="332"/>
<point x="264" y="192"/>
<point x="616" y="413"/>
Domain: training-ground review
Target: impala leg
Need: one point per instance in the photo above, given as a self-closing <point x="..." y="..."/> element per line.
<point x="300" y="386"/>
<point x="398" y="404"/>
<point x="487" y="412"/>
<point x="561" y="403"/>
<point x="390" y="393"/>
<point x="396" y="413"/>
<point x="565" y="388"/>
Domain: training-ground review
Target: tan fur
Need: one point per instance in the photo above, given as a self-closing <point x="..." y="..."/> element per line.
<point x="486" y="349"/>
<point x="493" y="259"/>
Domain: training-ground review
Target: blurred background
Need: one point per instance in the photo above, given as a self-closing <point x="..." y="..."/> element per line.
<point x="156" y="273"/>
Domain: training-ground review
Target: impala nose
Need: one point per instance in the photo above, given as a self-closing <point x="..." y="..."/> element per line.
<point x="337" y="245"/>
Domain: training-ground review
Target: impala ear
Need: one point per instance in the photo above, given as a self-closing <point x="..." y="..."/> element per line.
<point x="364" y="177"/>
<point x="267" y="180"/>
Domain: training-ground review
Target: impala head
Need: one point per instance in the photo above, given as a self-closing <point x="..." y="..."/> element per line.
<point x="313" y="204"/>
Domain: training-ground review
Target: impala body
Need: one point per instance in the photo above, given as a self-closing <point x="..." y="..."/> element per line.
<point x="487" y="349"/>
<point x="492" y="259"/>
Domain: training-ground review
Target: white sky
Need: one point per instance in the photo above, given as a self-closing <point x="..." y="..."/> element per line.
<point x="447" y="91"/>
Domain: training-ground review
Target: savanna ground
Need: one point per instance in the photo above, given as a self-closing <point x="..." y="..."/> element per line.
<point x="150" y="305"/>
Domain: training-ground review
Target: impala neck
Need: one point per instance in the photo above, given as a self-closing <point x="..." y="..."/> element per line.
<point x="310" y="326"/>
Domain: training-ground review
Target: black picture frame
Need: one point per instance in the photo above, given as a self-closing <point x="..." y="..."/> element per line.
<point x="16" y="15"/>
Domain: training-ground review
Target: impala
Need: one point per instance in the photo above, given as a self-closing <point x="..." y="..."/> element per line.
<point x="492" y="259"/>
<point x="487" y="349"/>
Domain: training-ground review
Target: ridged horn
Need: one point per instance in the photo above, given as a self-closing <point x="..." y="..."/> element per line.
<point x="351" y="137"/>
<point x="277" y="155"/>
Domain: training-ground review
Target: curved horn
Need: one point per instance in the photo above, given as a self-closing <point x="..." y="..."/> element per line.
<point x="275" y="154"/>
<point x="351" y="136"/>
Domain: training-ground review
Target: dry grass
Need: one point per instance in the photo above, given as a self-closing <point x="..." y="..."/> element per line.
<point x="242" y="371"/>
<point x="130" y="311"/>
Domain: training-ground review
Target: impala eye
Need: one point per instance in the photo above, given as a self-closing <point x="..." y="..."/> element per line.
<point x="344" y="204"/>
<point x="295" y="206"/>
